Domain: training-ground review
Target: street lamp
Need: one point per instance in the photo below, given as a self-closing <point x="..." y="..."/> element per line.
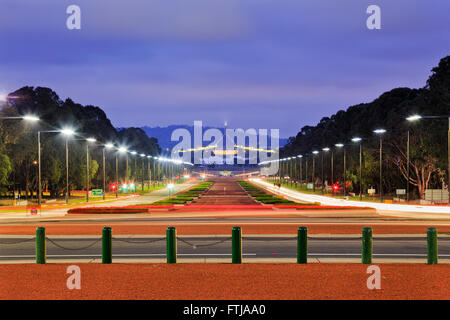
<point x="301" y="170"/>
<point x="107" y="146"/>
<point x="323" y="177"/>
<point x="88" y="140"/>
<point x="418" y="117"/>
<point x="68" y="133"/>
<point x="358" y="139"/>
<point x="314" y="170"/>
<point x="341" y="145"/>
<point x="380" y="132"/>
<point x="124" y="150"/>
<point x="142" y="173"/>
<point x="29" y="117"/>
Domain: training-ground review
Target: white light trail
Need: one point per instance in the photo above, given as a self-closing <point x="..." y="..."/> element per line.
<point x="349" y="203"/>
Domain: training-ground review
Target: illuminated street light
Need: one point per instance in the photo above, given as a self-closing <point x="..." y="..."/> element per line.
<point x="88" y="140"/>
<point x="358" y="139"/>
<point x="30" y="118"/>
<point x="109" y="146"/>
<point x="67" y="132"/>
<point x="380" y="132"/>
<point x="344" y="177"/>
<point x="414" y="117"/>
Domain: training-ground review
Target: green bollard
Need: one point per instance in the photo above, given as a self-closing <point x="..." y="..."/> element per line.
<point x="432" y="246"/>
<point x="107" y="245"/>
<point x="41" y="248"/>
<point x="171" y="245"/>
<point x="236" y="245"/>
<point x="366" y="254"/>
<point x="302" y="245"/>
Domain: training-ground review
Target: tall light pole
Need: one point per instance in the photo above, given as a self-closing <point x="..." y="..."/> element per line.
<point x="357" y="139"/>
<point x="380" y="132"/>
<point x="301" y="169"/>
<point x="149" y="172"/>
<point x="88" y="140"/>
<point x="341" y="145"/>
<point x="106" y="146"/>
<point x="323" y="177"/>
<point x="67" y="133"/>
<point x="125" y="151"/>
<point x="142" y="173"/>
<point x="418" y="117"/>
<point x="314" y="171"/>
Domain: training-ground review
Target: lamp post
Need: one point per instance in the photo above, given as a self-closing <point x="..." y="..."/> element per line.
<point x="88" y="140"/>
<point x="68" y="133"/>
<point x="323" y="177"/>
<point x="149" y="172"/>
<point x="380" y="132"/>
<point x="418" y="117"/>
<point x="341" y="145"/>
<point x="357" y="139"/>
<point x="314" y="171"/>
<point x="107" y="146"/>
<point x="142" y="173"/>
<point x="301" y="169"/>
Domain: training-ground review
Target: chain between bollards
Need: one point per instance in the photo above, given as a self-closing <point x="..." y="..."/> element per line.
<point x="302" y="245"/>
<point x="432" y="246"/>
<point x="366" y="254"/>
<point x="236" y="245"/>
<point x="171" y="245"/>
<point x="41" y="248"/>
<point x="107" y="245"/>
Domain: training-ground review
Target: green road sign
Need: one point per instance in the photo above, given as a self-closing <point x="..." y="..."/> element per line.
<point x="97" y="192"/>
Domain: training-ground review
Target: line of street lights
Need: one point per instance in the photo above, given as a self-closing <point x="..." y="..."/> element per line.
<point x="67" y="133"/>
<point x="358" y="140"/>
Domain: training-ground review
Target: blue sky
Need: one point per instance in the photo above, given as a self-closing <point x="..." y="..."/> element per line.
<point x="254" y="63"/>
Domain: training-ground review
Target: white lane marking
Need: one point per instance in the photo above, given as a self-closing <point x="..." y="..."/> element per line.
<point x="219" y="254"/>
<point x="126" y="255"/>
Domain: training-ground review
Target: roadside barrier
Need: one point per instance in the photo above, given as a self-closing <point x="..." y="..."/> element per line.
<point x="302" y="245"/>
<point x="366" y="250"/>
<point x="107" y="245"/>
<point x="236" y="245"/>
<point x="432" y="246"/>
<point x="171" y="245"/>
<point x="41" y="247"/>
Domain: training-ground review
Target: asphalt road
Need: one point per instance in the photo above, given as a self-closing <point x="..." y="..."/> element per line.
<point x="22" y="248"/>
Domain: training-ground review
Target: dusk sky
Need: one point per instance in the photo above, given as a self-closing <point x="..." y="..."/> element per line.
<point x="254" y="63"/>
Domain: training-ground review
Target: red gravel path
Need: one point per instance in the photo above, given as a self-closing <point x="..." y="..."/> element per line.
<point x="225" y="228"/>
<point x="224" y="281"/>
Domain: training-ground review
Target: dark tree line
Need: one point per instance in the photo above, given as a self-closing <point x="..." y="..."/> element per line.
<point x="18" y="142"/>
<point x="428" y="137"/>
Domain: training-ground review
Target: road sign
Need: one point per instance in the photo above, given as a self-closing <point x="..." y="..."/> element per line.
<point x="33" y="211"/>
<point x="400" y="191"/>
<point x="97" y="192"/>
<point x="309" y="186"/>
<point x="371" y="191"/>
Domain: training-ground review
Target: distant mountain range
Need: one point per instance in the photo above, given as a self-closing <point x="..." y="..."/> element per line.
<point x="163" y="134"/>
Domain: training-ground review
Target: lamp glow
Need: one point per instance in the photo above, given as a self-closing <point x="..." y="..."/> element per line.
<point x="414" y="117"/>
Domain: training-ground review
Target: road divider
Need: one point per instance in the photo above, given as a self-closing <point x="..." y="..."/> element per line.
<point x="236" y="246"/>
